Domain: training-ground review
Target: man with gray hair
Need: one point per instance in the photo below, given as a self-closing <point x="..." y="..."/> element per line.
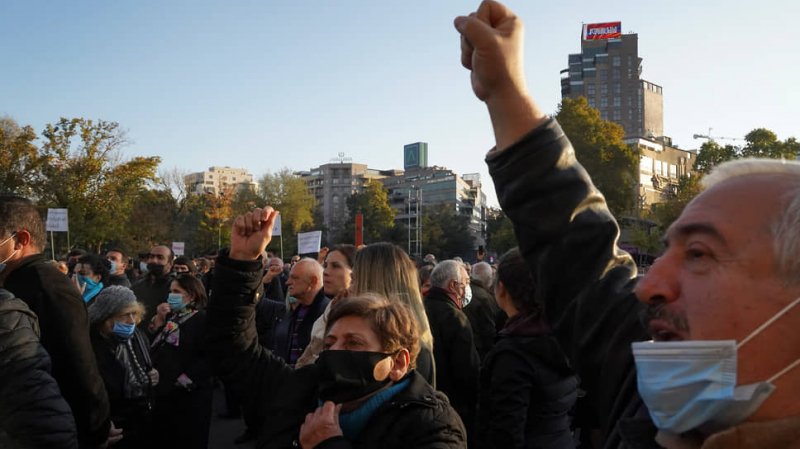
<point x="457" y="360"/>
<point x="720" y="302"/>
<point x="482" y="309"/>
<point x="293" y="333"/>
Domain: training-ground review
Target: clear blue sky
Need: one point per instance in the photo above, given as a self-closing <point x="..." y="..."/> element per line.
<point x="267" y="85"/>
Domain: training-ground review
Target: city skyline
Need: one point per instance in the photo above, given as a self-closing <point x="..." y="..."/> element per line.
<point x="266" y="86"/>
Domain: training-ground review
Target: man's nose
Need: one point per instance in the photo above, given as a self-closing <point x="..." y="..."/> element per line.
<point x="660" y="283"/>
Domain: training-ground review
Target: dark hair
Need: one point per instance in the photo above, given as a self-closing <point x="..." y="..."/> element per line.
<point x="425" y="273"/>
<point x="348" y="251"/>
<point x="392" y="321"/>
<point x="183" y="260"/>
<point x="516" y="277"/>
<point x="117" y="250"/>
<point x="17" y="213"/>
<point x="98" y="264"/>
<point x="194" y="288"/>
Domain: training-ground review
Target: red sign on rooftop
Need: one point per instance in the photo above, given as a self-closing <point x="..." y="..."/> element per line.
<point x="608" y="30"/>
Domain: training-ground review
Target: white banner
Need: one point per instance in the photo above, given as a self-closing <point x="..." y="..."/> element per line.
<point x="276" y="228"/>
<point x="177" y="248"/>
<point x="309" y="242"/>
<point x="57" y="220"/>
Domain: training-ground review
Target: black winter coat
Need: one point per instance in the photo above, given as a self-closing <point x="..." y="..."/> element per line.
<point x="33" y="414"/>
<point x="418" y="417"/>
<point x="283" y="327"/>
<point x="64" y="325"/>
<point x="568" y="237"/>
<point x="457" y="361"/>
<point x="151" y="291"/>
<point x="482" y="314"/>
<point x="528" y="390"/>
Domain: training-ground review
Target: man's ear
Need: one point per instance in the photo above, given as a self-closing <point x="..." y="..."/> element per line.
<point x="22" y="239"/>
<point x="400" y="365"/>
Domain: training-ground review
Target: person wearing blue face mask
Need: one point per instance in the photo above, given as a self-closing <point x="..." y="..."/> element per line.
<point x="182" y="416"/>
<point x="123" y="357"/>
<point x="720" y="302"/>
<point x="90" y="276"/>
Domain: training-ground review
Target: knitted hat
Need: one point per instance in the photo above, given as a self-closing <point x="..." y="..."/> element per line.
<point x="109" y="302"/>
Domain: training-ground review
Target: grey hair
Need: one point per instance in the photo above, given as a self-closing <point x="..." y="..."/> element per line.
<point x="482" y="271"/>
<point x="785" y="228"/>
<point x="315" y="269"/>
<point x="445" y="271"/>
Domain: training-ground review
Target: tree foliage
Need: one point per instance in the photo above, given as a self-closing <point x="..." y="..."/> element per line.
<point x="446" y="233"/>
<point x="85" y="174"/>
<point x="289" y="194"/>
<point x="500" y="233"/>
<point x="373" y="204"/>
<point x="600" y="148"/>
<point x="712" y="154"/>
<point x="20" y="162"/>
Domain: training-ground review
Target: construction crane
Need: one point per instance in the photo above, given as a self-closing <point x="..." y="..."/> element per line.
<point x="712" y="138"/>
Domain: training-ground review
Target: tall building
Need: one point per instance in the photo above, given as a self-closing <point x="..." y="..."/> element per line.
<point x="607" y="72"/>
<point x="420" y="186"/>
<point x="331" y="184"/>
<point x="217" y="180"/>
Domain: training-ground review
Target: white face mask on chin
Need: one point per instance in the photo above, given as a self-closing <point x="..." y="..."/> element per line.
<point x="691" y="385"/>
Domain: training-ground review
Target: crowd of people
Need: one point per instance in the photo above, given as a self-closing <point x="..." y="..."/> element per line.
<point x="559" y="344"/>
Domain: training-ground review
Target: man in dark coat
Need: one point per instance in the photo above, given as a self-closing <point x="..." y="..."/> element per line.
<point x="293" y="333"/>
<point x="482" y="309"/>
<point x="32" y="412"/>
<point x="457" y="361"/>
<point x="62" y="317"/>
<point x="336" y="402"/>
<point x="153" y="288"/>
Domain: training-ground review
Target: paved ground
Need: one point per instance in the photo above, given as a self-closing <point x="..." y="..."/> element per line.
<point x="224" y="431"/>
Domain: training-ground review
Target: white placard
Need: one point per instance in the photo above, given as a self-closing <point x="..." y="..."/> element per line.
<point x="57" y="220"/>
<point x="276" y="228"/>
<point x="177" y="248"/>
<point x="309" y="242"/>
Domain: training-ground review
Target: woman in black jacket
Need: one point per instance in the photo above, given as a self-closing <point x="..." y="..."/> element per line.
<point x="182" y="414"/>
<point x="527" y="387"/>
<point x="361" y="392"/>
<point x="123" y="357"/>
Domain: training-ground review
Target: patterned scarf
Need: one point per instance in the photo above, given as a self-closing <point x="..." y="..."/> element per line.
<point x="136" y="378"/>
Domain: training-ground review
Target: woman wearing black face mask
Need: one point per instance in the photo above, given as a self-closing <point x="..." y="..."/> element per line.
<point x="362" y="392"/>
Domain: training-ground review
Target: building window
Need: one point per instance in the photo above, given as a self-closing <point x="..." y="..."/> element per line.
<point x="590" y="90"/>
<point x="591" y="102"/>
<point x="617" y="115"/>
<point x="617" y="88"/>
<point x="615" y="74"/>
<point x="602" y="74"/>
<point x="603" y="102"/>
<point x="673" y="171"/>
<point x="616" y="61"/>
<point x="617" y="101"/>
<point x="646" y="165"/>
<point x="604" y="89"/>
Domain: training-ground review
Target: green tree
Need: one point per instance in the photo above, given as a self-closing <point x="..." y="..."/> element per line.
<point x="85" y="174"/>
<point x="20" y="162"/>
<point x="373" y="204"/>
<point x="150" y="222"/>
<point x="289" y="194"/>
<point x="499" y="232"/>
<point x="712" y="154"/>
<point x="764" y="143"/>
<point x="446" y="233"/>
<point x="600" y="148"/>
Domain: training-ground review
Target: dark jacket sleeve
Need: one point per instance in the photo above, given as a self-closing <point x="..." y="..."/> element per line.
<point x="64" y="325"/>
<point x="236" y="354"/>
<point x="32" y="411"/>
<point x="568" y="237"/>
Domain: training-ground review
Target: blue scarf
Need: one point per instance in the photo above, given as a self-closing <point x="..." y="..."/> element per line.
<point x="91" y="290"/>
<point x="352" y="423"/>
